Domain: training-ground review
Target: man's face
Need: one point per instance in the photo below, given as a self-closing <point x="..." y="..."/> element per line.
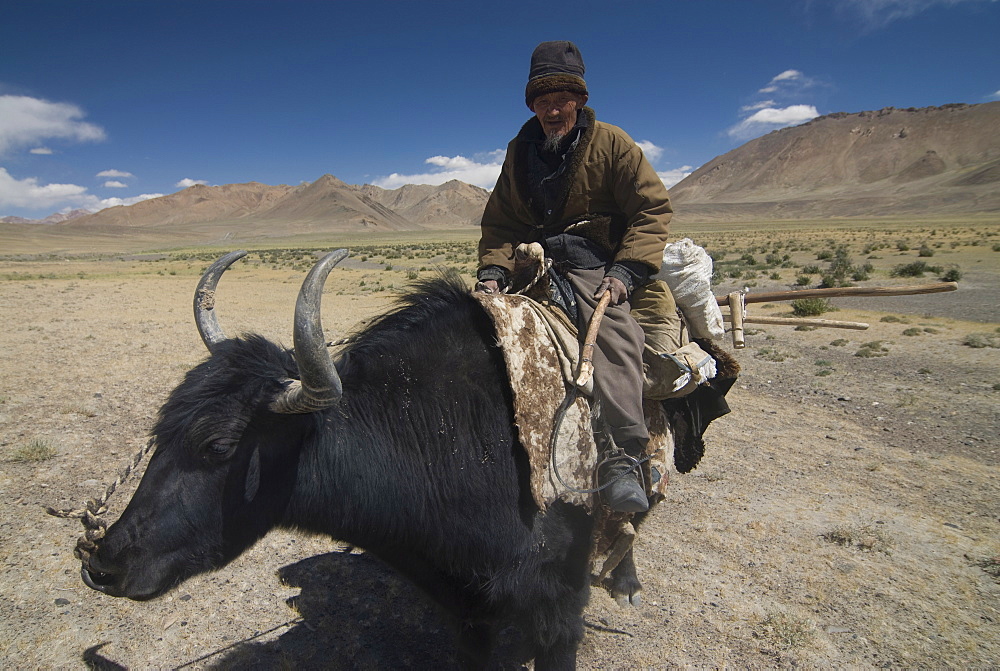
<point x="557" y="111"/>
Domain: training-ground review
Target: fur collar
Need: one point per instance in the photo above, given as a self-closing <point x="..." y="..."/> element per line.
<point x="532" y="132"/>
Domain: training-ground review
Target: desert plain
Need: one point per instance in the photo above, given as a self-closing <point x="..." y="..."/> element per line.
<point x="846" y="513"/>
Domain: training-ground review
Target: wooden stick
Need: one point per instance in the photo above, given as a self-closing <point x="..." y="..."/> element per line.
<point x="833" y="292"/>
<point x="796" y="321"/>
<point x="736" y="310"/>
<point x="587" y="353"/>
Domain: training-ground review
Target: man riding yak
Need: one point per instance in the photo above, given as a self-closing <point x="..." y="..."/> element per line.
<point x="584" y="190"/>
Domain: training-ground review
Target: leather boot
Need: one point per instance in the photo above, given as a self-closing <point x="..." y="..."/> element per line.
<point x="619" y="471"/>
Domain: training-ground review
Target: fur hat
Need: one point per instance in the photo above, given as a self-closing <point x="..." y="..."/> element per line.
<point x="555" y="66"/>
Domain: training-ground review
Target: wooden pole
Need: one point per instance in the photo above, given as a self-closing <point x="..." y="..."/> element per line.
<point x="834" y="292"/>
<point x="796" y="321"/>
<point x="736" y="309"/>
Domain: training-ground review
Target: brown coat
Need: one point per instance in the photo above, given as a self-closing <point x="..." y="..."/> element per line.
<point x="613" y="197"/>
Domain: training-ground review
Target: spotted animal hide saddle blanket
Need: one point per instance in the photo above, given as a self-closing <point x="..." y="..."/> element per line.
<point x="553" y="416"/>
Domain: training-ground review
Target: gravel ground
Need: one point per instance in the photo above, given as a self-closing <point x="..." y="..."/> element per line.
<point x="840" y="518"/>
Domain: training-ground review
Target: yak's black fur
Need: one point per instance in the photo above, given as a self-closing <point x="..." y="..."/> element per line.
<point x="418" y="463"/>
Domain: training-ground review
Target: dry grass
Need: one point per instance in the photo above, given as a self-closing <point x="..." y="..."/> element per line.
<point x="768" y="555"/>
<point x="36" y="449"/>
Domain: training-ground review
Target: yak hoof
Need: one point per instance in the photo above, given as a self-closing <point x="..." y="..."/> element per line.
<point x="626" y="600"/>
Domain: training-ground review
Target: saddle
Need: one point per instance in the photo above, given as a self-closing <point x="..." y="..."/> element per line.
<point x="555" y="417"/>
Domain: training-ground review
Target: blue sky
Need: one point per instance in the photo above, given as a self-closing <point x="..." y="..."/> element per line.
<point x="106" y="102"/>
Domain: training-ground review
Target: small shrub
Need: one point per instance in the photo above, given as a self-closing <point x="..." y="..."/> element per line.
<point x="913" y="332"/>
<point x="862" y="273"/>
<point x="803" y="280"/>
<point x="903" y="246"/>
<point x="866" y="537"/>
<point x="825" y="255"/>
<point x="871" y="350"/>
<point x="784" y="631"/>
<point x="952" y="275"/>
<point x="824" y="372"/>
<point x="772" y="354"/>
<point x="34" y="450"/>
<point x="805" y="327"/>
<point x="775" y="276"/>
<point x="915" y="269"/>
<point x="893" y="319"/>
<point x="925" y="251"/>
<point x="982" y="340"/>
<point x="810" y="270"/>
<point x="839" y="342"/>
<point x="810" y="307"/>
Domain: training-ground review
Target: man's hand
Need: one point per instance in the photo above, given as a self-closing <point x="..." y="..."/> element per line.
<point x="488" y="287"/>
<point x="619" y="294"/>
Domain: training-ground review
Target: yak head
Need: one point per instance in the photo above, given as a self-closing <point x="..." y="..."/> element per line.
<point x="227" y="448"/>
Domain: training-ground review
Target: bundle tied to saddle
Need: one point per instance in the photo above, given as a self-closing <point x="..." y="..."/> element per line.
<point x="673" y="362"/>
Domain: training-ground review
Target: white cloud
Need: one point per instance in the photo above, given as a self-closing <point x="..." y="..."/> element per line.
<point x="995" y="95"/>
<point x="187" y="181"/>
<point x="652" y="152"/>
<point x="780" y="106"/>
<point x="115" y="184"/>
<point x="114" y="173"/>
<point x="671" y="177"/>
<point x="41" y="151"/>
<point x="482" y="170"/>
<point x="26" y="121"/>
<point x="113" y="202"/>
<point x="758" y="106"/>
<point x="772" y="118"/>
<point x="28" y="194"/>
<point x="787" y="74"/>
<point x="879" y="13"/>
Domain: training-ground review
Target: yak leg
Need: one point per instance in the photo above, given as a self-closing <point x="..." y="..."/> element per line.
<point x="623" y="583"/>
<point x="555" y="589"/>
<point x="557" y="658"/>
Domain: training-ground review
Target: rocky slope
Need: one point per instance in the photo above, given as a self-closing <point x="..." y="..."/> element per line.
<point x="934" y="160"/>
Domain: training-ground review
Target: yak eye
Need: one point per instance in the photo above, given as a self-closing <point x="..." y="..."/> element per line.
<point x="220" y="447"/>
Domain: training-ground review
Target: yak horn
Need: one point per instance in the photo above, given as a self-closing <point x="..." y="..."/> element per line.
<point x="320" y="385"/>
<point x="204" y="300"/>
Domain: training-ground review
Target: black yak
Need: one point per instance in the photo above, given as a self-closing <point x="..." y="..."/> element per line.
<point x="404" y="446"/>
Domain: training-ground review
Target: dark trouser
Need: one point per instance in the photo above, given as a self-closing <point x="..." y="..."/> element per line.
<point x="617" y="362"/>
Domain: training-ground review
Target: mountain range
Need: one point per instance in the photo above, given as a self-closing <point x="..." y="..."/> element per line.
<point x="927" y="161"/>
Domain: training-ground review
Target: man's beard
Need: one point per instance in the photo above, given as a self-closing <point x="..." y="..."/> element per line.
<point x="552" y="141"/>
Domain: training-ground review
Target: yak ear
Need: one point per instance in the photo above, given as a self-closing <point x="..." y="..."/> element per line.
<point x="253" y="477"/>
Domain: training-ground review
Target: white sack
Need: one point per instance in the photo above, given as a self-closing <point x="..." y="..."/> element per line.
<point x="687" y="270"/>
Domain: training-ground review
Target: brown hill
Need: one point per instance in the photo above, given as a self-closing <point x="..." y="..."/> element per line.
<point x="934" y="160"/>
<point x="200" y="212"/>
<point x="329" y="201"/>
<point x="454" y="204"/>
<point x="193" y="205"/>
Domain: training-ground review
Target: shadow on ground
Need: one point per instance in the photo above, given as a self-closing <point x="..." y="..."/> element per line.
<point x="354" y="613"/>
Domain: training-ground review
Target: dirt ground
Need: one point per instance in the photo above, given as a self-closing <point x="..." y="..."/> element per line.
<point x="846" y="513"/>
